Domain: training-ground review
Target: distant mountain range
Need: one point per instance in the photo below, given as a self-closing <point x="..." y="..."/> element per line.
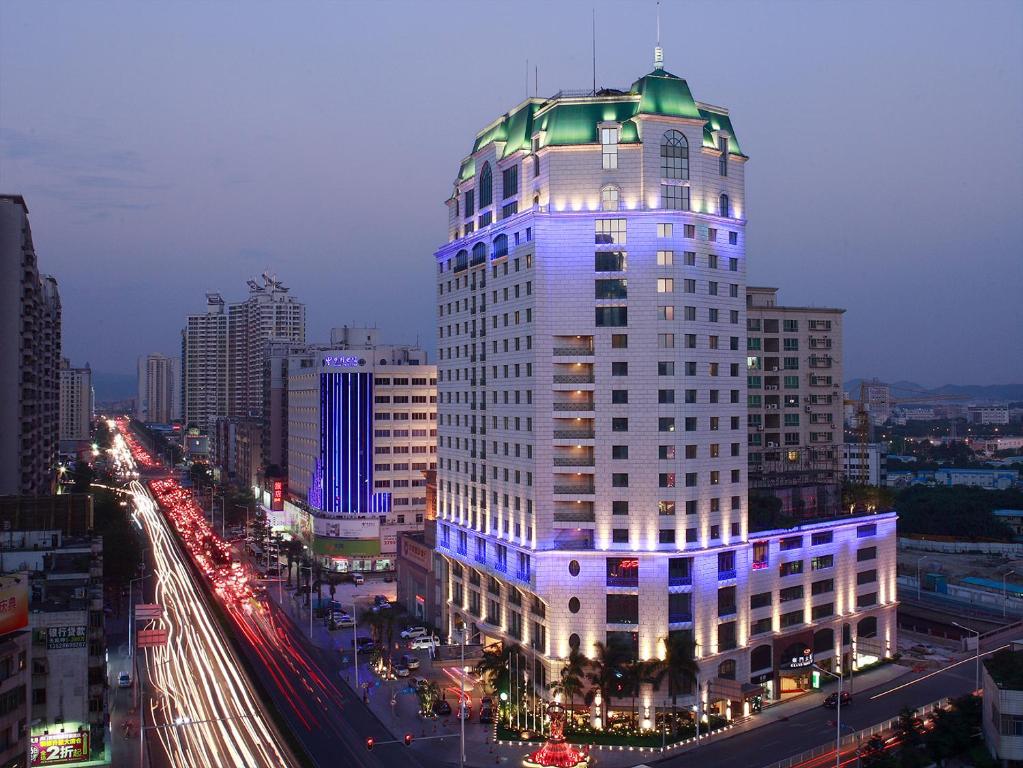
<point x="999" y="393"/>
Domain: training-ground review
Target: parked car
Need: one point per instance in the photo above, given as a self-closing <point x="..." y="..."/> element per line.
<point x="441" y="707"/>
<point x="486" y="710"/>
<point x="365" y="644"/>
<point x="124" y="680"/>
<point x="410" y="661"/>
<point x="412" y="632"/>
<point x="343" y="620"/>
<point x="464" y="712"/>
<point x="831" y="702"/>
<point x="424" y="643"/>
<point x="380" y="601"/>
<point x="922" y="649"/>
<point x="358" y="579"/>
<point x="401" y="671"/>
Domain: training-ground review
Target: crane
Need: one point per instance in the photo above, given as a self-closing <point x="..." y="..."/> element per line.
<point x="863" y="428"/>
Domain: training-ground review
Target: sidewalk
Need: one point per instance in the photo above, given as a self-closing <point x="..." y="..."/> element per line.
<point x="123" y="751"/>
<point x="398" y="710"/>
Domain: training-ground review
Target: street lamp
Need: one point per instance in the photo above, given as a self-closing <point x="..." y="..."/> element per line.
<point x="464" y="637"/>
<point x="838" y="714"/>
<point x="309" y="595"/>
<point x="977" y="633"/>
<point x="1005" y="594"/>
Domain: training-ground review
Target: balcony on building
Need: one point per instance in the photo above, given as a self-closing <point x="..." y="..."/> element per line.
<point x="573" y="373"/>
<point x="573" y="484"/>
<point x="572" y="539"/>
<point x="573" y="456"/>
<point x="574" y="512"/>
<point x="573" y="428"/>
<point x="573" y="346"/>
<point x="573" y="400"/>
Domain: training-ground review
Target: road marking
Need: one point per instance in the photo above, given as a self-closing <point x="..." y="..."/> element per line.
<point x="937" y="672"/>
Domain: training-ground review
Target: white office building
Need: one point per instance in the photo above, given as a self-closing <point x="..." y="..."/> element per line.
<point x="76" y="403"/>
<point x="592" y="416"/>
<point x="204" y="366"/>
<point x="865" y="464"/>
<point x="362" y="430"/>
<point x="159" y="389"/>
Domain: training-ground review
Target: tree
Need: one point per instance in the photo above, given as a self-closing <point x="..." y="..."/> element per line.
<point x="678" y="667"/>
<point x="636" y="673"/>
<point x="606" y="671"/>
<point x="572" y="679"/>
<point x="490" y="667"/>
<point x="292" y="550"/>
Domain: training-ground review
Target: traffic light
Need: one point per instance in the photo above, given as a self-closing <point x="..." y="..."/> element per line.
<point x="370" y="742"/>
<point x="408" y="739"/>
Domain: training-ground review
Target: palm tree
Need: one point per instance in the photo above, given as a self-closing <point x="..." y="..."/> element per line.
<point x="636" y="673"/>
<point x="490" y="667"/>
<point x="572" y="678"/>
<point x="678" y="666"/>
<point x="605" y="675"/>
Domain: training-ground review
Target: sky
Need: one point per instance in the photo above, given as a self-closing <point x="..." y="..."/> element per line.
<point x="170" y="149"/>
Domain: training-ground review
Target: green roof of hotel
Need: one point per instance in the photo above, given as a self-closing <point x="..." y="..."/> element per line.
<point x="570" y="121"/>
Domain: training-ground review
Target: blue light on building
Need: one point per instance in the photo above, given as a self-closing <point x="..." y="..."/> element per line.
<point x="345" y="467"/>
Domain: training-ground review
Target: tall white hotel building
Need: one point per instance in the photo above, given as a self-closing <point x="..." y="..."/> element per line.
<point x="592" y="407"/>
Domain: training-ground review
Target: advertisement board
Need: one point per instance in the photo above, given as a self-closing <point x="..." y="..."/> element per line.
<point x="62" y="638"/>
<point x="59" y="748"/>
<point x="13" y="603"/>
<point x="277" y="492"/>
<point x="347" y="528"/>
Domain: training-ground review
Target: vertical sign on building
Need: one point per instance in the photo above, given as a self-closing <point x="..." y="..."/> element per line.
<point x="277" y="495"/>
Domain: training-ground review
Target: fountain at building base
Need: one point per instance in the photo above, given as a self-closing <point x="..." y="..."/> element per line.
<point x="556" y="752"/>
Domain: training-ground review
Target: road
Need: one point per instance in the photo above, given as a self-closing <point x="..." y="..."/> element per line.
<point x="324" y="715"/>
<point x="778" y="740"/>
<point x="200" y="707"/>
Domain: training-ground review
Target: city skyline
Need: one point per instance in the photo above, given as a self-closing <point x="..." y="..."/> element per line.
<point x="110" y="169"/>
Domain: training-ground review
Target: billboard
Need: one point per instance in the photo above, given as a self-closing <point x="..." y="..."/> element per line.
<point x="59" y="748"/>
<point x="63" y="638"/>
<point x="13" y="603"/>
<point x="277" y="494"/>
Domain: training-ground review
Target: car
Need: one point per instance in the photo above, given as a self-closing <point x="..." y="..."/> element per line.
<point x="921" y="649"/>
<point x="380" y="601"/>
<point x="365" y="644"/>
<point x="441" y="707"/>
<point x="401" y="671"/>
<point x="358" y="579"/>
<point x="831" y="701"/>
<point x="410" y="661"/>
<point x="424" y="643"/>
<point x="486" y="710"/>
<point x="464" y="712"/>
<point x="343" y="620"/>
<point x="410" y="633"/>
<point x="124" y="680"/>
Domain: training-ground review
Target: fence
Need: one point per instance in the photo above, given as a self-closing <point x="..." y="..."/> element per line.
<point x="855" y="738"/>
<point x="980" y="547"/>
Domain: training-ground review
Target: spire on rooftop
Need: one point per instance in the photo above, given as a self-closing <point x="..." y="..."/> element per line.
<point x="658" y="52"/>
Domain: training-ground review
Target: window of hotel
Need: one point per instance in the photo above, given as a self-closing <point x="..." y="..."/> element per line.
<point x="790" y="569"/>
<point x="665" y="285"/>
<point x="867" y="553"/>
<point x="666" y="313"/>
<point x="674" y="156"/>
<point x="486" y="186"/>
<point x="723" y="159"/>
<point x="610" y="289"/>
<point x="500" y="246"/>
<point x="824" y="537"/>
<point x="822" y="562"/>
<point x="674" y="198"/>
<point x="822" y="587"/>
<point x="665" y="258"/>
<point x="761" y="551"/>
<point x="866" y="577"/>
<point x="792" y="542"/>
<point x="609" y="261"/>
<point x="862" y="531"/>
<point x="865" y="601"/>
<point x="609" y="231"/>
<point x="609" y="148"/>
<point x="510" y="182"/>
<point x="619" y="507"/>
<point x="622" y="609"/>
<point x="726" y="636"/>
<point x="609" y="198"/>
<point x="611" y="317"/>
<point x="723" y="206"/>
<point x="622" y="572"/>
<point x="470" y="203"/>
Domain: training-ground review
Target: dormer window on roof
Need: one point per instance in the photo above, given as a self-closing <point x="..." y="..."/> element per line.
<point x="609" y="147"/>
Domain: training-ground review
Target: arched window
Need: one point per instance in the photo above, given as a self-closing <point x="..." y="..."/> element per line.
<point x="609" y="197"/>
<point x="479" y="254"/>
<point x="674" y="156"/>
<point x="461" y="260"/>
<point x="536" y="200"/>
<point x="760" y="658"/>
<point x="723" y="206"/>
<point x="500" y="246"/>
<point x="726" y="669"/>
<point x="486" y="187"/>
<point x="823" y="640"/>
<point x="866" y="628"/>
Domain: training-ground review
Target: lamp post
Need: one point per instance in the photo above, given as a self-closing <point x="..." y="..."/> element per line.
<point x="977" y="673"/>
<point x="464" y="637"/>
<point x="1005" y="594"/>
<point x="309" y="595"/>
<point x="838" y="714"/>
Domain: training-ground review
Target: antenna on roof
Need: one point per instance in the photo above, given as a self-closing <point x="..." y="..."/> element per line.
<point x="536" y="81"/>
<point x="593" y="12"/>
<point x="527" y="78"/>
<point x="658" y="53"/>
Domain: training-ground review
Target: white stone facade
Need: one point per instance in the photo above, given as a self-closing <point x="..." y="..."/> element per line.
<point x="571" y="433"/>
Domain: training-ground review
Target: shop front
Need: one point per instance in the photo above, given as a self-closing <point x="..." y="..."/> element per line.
<point x="794" y="660"/>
